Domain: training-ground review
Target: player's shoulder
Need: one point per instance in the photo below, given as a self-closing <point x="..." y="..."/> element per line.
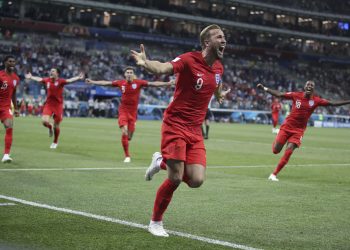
<point x="188" y="55"/>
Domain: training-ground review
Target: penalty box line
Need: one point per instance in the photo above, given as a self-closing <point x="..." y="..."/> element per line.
<point x="127" y="223"/>
<point x="144" y="168"/>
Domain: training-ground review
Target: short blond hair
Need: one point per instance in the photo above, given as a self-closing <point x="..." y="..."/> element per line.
<point x="205" y="33"/>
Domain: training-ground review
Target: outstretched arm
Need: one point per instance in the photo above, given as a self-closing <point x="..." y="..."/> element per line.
<point x="34" y="78"/>
<point x="338" y="103"/>
<point x="101" y="82"/>
<point x="76" y="78"/>
<point x="154" y="67"/>
<point x="161" y="84"/>
<point x="220" y="94"/>
<point x="271" y="91"/>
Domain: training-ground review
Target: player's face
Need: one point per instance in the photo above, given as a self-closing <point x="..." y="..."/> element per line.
<point x="10" y="64"/>
<point x="129" y="75"/>
<point x="217" y="42"/>
<point x="309" y="87"/>
<point x="53" y="73"/>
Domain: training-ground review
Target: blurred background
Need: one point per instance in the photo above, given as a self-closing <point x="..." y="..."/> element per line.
<point x="281" y="43"/>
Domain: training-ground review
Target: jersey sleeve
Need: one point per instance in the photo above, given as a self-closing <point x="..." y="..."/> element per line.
<point x="44" y="80"/>
<point x="143" y="83"/>
<point x="322" y="102"/>
<point x="289" y="95"/>
<point x="63" y="82"/>
<point x="180" y="63"/>
<point x="116" y="83"/>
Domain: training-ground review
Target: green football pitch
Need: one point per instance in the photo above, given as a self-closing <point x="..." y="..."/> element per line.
<point x="82" y="195"/>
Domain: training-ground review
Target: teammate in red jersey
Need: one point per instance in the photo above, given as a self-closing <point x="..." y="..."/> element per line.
<point x="130" y="88"/>
<point x="293" y="128"/>
<point x="54" y="101"/>
<point x="199" y="75"/>
<point x="9" y="82"/>
<point x="275" y="110"/>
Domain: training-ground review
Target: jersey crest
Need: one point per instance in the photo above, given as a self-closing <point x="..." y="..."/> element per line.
<point x="311" y="103"/>
<point x="134" y="86"/>
<point x="56" y="84"/>
<point x="217" y="79"/>
<point x="14" y="83"/>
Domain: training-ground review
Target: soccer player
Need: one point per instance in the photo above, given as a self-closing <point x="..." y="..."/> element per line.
<point x="275" y="110"/>
<point x="199" y="75"/>
<point x="9" y="82"/>
<point x="54" y="101"/>
<point x="130" y="88"/>
<point x="293" y="128"/>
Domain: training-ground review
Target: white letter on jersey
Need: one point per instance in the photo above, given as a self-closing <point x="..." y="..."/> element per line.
<point x="298" y="104"/>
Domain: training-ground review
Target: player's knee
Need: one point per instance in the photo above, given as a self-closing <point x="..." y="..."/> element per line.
<point x="175" y="179"/>
<point x="275" y="150"/>
<point x="195" y="183"/>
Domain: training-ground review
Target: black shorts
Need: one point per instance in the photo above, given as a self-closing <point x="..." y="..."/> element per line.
<point x="208" y="115"/>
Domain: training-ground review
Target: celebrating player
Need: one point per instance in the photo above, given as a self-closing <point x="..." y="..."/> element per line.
<point x="130" y="88"/>
<point x="54" y="101"/>
<point x="275" y="110"/>
<point x="9" y="82"/>
<point x="293" y="128"/>
<point x="183" y="152"/>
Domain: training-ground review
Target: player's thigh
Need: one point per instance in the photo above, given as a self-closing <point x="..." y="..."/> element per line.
<point x="132" y="124"/>
<point x="173" y="144"/>
<point x="280" y="140"/>
<point x="296" y="139"/>
<point x="122" y="119"/>
<point x="6" y="118"/>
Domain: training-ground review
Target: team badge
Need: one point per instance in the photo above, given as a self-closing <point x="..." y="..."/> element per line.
<point x="134" y="85"/>
<point x="48" y="85"/>
<point x="311" y="103"/>
<point x="217" y="79"/>
<point x="56" y="84"/>
<point x="14" y="83"/>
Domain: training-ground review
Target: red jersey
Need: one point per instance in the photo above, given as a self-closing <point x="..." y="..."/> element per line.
<point x="302" y="108"/>
<point x="54" y="90"/>
<point x="195" y="84"/>
<point x="8" y="83"/>
<point x="276" y="107"/>
<point x="130" y="92"/>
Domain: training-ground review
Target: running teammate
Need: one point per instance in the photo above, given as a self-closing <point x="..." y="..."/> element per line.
<point x="130" y="88"/>
<point x="8" y="82"/>
<point x="293" y="128"/>
<point x="199" y="75"/>
<point x="275" y="110"/>
<point x="54" y="101"/>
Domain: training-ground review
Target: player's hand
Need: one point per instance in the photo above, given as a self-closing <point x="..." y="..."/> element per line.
<point x="260" y="86"/>
<point x="16" y="112"/>
<point x="222" y="95"/>
<point x="28" y="75"/>
<point x="88" y="81"/>
<point x="81" y="76"/>
<point x="139" y="57"/>
<point x="172" y="82"/>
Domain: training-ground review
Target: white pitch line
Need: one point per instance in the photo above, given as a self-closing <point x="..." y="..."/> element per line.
<point x="143" y="168"/>
<point x="127" y="223"/>
<point x="7" y="204"/>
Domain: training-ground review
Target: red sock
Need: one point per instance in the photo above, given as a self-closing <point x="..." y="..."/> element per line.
<point x="56" y="134"/>
<point x="8" y="140"/>
<point x="125" y="143"/>
<point x="48" y="125"/>
<point x="284" y="160"/>
<point x="163" y="198"/>
<point x="163" y="165"/>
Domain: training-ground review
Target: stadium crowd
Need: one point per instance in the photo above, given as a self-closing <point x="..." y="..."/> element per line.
<point x="37" y="53"/>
